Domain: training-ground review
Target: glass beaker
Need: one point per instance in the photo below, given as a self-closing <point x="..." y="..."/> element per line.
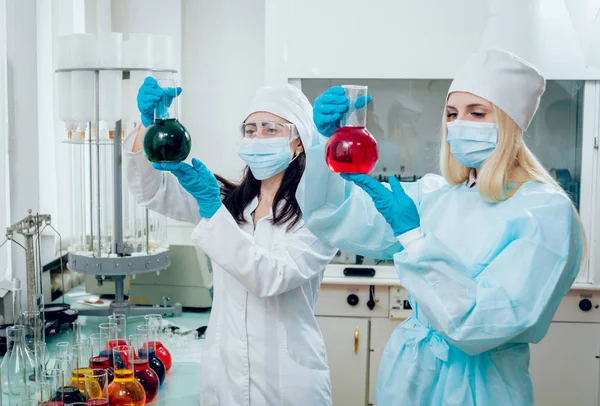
<point x="63" y="359"/>
<point x="55" y="379"/>
<point x="33" y="327"/>
<point x="125" y="390"/>
<point x="80" y="364"/>
<point x="93" y="380"/>
<point x="154" y="322"/>
<point x="100" y="360"/>
<point x="166" y="139"/>
<point x="142" y="371"/>
<point x="36" y="391"/>
<point x="111" y="332"/>
<point x="120" y="320"/>
<point x="21" y="362"/>
<point x="153" y="360"/>
<point x="352" y="149"/>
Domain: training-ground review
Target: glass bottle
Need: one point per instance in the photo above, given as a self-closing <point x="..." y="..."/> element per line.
<point x="55" y="379"/>
<point x="352" y="149"/>
<point x="63" y="359"/>
<point x="166" y="139"/>
<point x="93" y="380"/>
<point x="125" y="390"/>
<point x="154" y="322"/>
<point x="142" y="371"/>
<point x="100" y="360"/>
<point x="80" y="365"/>
<point x="120" y="320"/>
<point x="111" y="332"/>
<point x="150" y="349"/>
<point x="21" y="362"/>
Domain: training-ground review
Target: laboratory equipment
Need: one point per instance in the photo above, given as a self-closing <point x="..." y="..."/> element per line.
<point x="55" y="379"/>
<point x="112" y="237"/>
<point x="110" y="330"/>
<point x="166" y="139"/>
<point x="153" y="360"/>
<point x="17" y="300"/>
<point x="351" y="148"/>
<point x="191" y="289"/>
<point x="125" y="390"/>
<point x="20" y="363"/>
<point x="143" y="373"/>
<point x="93" y="380"/>
<point x="154" y="322"/>
<point x="120" y="320"/>
<point x="80" y="364"/>
<point x="163" y="52"/>
<point x="33" y="327"/>
<point x="69" y="394"/>
<point x="110" y="79"/>
<point x="100" y="358"/>
<point x="62" y="361"/>
<point x="62" y="61"/>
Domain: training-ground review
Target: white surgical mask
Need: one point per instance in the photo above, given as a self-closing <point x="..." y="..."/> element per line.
<point x="265" y="157"/>
<point x="472" y="142"/>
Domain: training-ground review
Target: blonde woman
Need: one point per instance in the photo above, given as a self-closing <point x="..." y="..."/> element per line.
<point x="486" y="252"/>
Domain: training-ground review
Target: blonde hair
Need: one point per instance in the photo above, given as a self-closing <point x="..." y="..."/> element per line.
<point x="505" y="170"/>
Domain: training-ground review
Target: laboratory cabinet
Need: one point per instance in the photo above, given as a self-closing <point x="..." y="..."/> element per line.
<point x="357" y="321"/>
<point x="565" y="365"/>
<point x="347" y="344"/>
<point x="356" y="325"/>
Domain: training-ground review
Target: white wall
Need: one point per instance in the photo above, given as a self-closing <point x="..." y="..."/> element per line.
<point x="430" y="39"/>
<point x="223" y="44"/>
<point x="22" y="102"/>
<point x="4" y="186"/>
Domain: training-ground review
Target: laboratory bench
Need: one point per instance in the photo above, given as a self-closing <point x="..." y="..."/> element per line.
<point x="181" y="387"/>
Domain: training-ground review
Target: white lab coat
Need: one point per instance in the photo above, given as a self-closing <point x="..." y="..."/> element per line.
<point x="263" y="345"/>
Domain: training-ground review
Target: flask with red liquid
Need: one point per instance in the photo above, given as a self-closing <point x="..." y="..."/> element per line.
<point x="125" y="390"/>
<point x="142" y="371"/>
<point x="352" y="149"/>
<point x="100" y="360"/>
<point x="154" y="323"/>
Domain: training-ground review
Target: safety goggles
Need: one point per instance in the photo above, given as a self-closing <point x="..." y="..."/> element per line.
<point x="268" y="129"/>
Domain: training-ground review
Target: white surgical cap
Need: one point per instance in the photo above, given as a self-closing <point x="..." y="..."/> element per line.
<point x="289" y="103"/>
<point x="504" y="80"/>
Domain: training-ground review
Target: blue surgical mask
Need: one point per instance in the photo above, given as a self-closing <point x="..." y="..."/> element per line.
<point x="472" y="142"/>
<point x="265" y="157"/>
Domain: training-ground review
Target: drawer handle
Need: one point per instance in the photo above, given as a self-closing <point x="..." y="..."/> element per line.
<point x="356" y="339"/>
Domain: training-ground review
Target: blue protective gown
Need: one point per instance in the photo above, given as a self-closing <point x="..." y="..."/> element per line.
<point x="485" y="279"/>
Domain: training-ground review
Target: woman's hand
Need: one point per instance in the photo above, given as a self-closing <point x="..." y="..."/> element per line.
<point x="330" y="106"/>
<point x="149" y="94"/>
<point x="199" y="182"/>
<point x="395" y="206"/>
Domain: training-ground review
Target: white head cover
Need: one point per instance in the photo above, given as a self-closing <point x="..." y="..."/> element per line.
<point x="504" y="80"/>
<point x="287" y="102"/>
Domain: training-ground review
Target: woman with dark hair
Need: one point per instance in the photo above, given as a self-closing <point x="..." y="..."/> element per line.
<point x="263" y="344"/>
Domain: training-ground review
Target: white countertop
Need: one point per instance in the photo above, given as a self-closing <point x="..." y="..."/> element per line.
<point x="385" y="275"/>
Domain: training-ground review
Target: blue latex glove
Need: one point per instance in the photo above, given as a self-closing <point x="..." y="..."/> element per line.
<point x="199" y="181"/>
<point x="150" y="95"/>
<point x="395" y="205"/>
<point x="330" y="106"/>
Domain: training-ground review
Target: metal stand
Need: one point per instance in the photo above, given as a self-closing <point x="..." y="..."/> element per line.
<point x="120" y="264"/>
